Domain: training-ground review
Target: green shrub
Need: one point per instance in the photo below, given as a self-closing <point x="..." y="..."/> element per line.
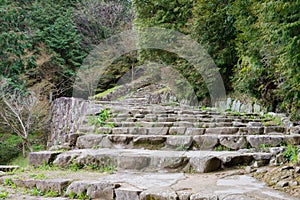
<point x="291" y="153"/>
<point x="10" y="148"/>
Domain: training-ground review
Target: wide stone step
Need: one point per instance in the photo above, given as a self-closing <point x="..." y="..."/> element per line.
<point x="185" y="142"/>
<point x="181" y="128"/>
<point x="228" y="185"/>
<point x="156" y="160"/>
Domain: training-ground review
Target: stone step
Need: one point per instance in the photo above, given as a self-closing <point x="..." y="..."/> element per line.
<point x="185" y="142"/>
<point x="155" y="160"/>
<point x="228" y="185"/>
<point x="181" y="128"/>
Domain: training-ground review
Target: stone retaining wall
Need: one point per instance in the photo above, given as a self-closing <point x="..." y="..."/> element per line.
<point x="66" y="115"/>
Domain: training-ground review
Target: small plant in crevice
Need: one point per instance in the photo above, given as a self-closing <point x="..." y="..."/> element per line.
<point x="36" y="192"/>
<point x="51" y="193"/>
<point x="222" y="148"/>
<point x="191" y="170"/>
<point x="101" y="119"/>
<point x="182" y="147"/>
<point x="38" y="176"/>
<point x="3" y="194"/>
<point x="291" y="153"/>
<point x="10" y="183"/>
<point x="82" y="195"/>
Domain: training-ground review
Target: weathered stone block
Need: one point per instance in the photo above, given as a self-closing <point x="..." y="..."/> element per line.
<point x="233" y="142"/>
<point x="222" y="130"/>
<point x="89" y="141"/>
<point x="57" y="185"/>
<point x="161" y="194"/>
<point x="195" y="131"/>
<point x="177" y="130"/>
<point x="133" y="162"/>
<point x="101" y="190"/>
<point x="205" y="142"/>
<point x="258" y="141"/>
<point x="127" y="193"/>
<point x="179" y="142"/>
<point x="158" y="130"/>
<point x="205" y="164"/>
<point x="42" y="157"/>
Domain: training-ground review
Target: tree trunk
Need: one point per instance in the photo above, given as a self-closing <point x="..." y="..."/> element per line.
<point x="26" y="143"/>
<point x="23" y="149"/>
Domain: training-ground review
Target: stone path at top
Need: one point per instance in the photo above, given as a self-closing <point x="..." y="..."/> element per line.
<point x="166" y="152"/>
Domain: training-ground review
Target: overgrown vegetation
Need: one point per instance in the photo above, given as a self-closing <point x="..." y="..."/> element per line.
<point x="101" y="119"/>
<point x="291" y="153"/>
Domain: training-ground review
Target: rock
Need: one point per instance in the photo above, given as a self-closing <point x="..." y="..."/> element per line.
<point x="297" y="169"/>
<point x="102" y="190"/>
<point x="72" y="139"/>
<point x="238" y="124"/>
<point x="120" y="139"/>
<point x="57" y="185"/>
<point x="179" y="142"/>
<point x="205" y="164"/>
<point x="137" y="131"/>
<point x="295" y="130"/>
<point x="89" y="141"/>
<point x="133" y="162"/>
<point x="292" y="139"/>
<point x="177" y="130"/>
<point x="251" y="130"/>
<point x="298" y="159"/>
<point x="274" y="129"/>
<point x="202" y="196"/>
<point x="149" y="140"/>
<point x="161" y="194"/>
<point x="78" y="187"/>
<point x="120" y="130"/>
<point x="158" y="130"/>
<point x="293" y="183"/>
<point x="43" y="157"/>
<point x="258" y="140"/>
<point x="222" y="130"/>
<point x="254" y="124"/>
<point x="282" y="184"/>
<point x="248" y="169"/>
<point x="86" y="129"/>
<point x="64" y="159"/>
<point x="206" y="142"/>
<point x="230" y="160"/>
<point x="127" y="193"/>
<point x="195" y="131"/>
<point x="184" y="194"/>
<point x="232" y="142"/>
<point x="256" y="108"/>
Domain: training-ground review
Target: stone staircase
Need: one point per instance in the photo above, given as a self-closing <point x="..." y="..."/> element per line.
<point x="160" y="142"/>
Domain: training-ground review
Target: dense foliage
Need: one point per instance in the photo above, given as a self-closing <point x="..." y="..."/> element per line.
<point x="255" y="44"/>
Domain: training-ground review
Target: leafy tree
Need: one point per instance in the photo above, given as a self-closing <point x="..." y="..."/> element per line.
<point x="267" y="42"/>
<point x="213" y="27"/>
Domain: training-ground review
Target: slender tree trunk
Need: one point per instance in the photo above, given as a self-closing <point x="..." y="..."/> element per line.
<point x="26" y="143"/>
<point x="24" y="149"/>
